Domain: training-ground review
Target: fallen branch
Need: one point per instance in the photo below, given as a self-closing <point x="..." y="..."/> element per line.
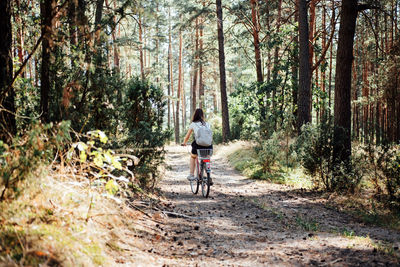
<point x="179" y="215"/>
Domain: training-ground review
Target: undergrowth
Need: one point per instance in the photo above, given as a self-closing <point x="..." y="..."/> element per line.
<point x="246" y="160"/>
<point x="65" y="199"/>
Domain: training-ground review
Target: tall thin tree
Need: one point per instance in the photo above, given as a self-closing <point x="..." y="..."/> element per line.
<point x="46" y="10"/>
<point x="7" y="118"/>
<point x="303" y="104"/>
<point x="179" y="89"/>
<point x="222" y="74"/>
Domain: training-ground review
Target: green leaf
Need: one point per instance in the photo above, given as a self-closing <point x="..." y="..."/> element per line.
<point x="83" y="156"/>
<point x="103" y="137"/>
<point x="112" y="187"/>
<point x="116" y="164"/>
<point x="98" y="160"/>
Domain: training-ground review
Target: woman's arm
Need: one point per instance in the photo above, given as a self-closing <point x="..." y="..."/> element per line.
<point x="186" y="139"/>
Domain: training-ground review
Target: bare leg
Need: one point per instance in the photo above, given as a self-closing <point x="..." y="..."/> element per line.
<point x="192" y="163"/>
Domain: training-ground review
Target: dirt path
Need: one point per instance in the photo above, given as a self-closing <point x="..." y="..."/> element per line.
<point x="252" y="223"/>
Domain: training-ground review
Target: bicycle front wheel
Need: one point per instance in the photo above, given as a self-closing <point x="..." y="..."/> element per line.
<point x="205" y="184"/>
<point x="194" y="184"/>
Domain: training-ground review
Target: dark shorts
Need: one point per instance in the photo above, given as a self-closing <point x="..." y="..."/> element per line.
<point x="195" y="146"/>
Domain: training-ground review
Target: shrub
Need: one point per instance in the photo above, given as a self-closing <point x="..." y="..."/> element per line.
<point x="36" y="146"/>
<point x="245" y="113"/>
<point x="143" y="114"/>
<point x="270" y="151"/>
<point x="391" y="169"/>
<point x="98" y="106"/>
<point x="384" y="163"/>
<point x="315" y="149"/>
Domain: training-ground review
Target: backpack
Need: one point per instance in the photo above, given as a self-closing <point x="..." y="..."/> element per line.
<point x="203" y="135"/>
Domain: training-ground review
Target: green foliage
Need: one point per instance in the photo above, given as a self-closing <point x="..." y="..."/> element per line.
<point x="27" y="99"/>
<point x="384" y="168"/>
<point x="251" y="164"/>
<point x="244" y="112"/>
<point x="391" y="170"/>
<point x="97" y="106"/>
<point x="245" y="161"/>
<point x="215" y="122"/>
<point x="143" y="111"/>
<point x="314" y="147"/>
<point x="269" y="151"/>
<point x="36" y="146"/>
<point x="95" y="159"/>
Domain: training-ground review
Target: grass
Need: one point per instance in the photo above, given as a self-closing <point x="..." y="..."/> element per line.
<point x="48" y="224"/>
<point x="366" y="209"/>
<point x="379" y="246"/>
<point x="307" y="224"/>
<point x="245" y="159"/>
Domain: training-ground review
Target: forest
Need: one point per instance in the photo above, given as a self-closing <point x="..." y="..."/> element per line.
<point x="96" y="96"/>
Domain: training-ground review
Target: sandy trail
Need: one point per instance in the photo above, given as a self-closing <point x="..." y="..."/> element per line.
<point x="254" y="223"/>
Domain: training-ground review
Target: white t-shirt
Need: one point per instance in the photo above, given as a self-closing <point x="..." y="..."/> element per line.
<point x="195" y="126"/>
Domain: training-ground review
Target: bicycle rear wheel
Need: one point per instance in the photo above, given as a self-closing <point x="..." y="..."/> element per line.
<point x="205" y="183"/>
<point x="194" y="184"/>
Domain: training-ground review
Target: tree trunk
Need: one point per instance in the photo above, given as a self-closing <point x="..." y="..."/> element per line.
<point x="257" y="54"/>
<point x="115" y="45"/>
<point x="201" y="85"/>
<point x="224" y="98"/>
<point x="169" y="89"/>
<point x="196" y="71"/>
<point x="171" y="77"/>
<point x="158" y="69"/>
<point x="323" y="74"/>
<point x="141" y="59"/>
<point x="295" y="72"/>
<point x="20" y="35"/>
<point x="331" y="61"/>
<point x="7" y="122"/>
<point x="342" y="112"/>
<point x="183" y="96"/>
<point x="98" y="88"/>
<point x="304" y="68"/>
<point x="311" y="33"/>
<point x="46" y="10"/>
<point x="179" y="90"/>
<point x="365" y="95"/>
<point x="256" y="40"/>
<point x="276" y="64"/>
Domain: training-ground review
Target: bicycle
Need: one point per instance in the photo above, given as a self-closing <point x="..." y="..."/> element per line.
<point x="202" y="166"/>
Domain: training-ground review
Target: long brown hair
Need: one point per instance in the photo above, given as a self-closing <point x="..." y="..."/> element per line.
<point x="198" y="116"/>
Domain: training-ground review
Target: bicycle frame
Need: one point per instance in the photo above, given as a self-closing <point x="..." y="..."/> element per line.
<point x="202" y="172"/>
<point x="204" y="164"/>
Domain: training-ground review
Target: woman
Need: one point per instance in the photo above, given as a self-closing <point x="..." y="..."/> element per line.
<point x="197" y="121"/>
